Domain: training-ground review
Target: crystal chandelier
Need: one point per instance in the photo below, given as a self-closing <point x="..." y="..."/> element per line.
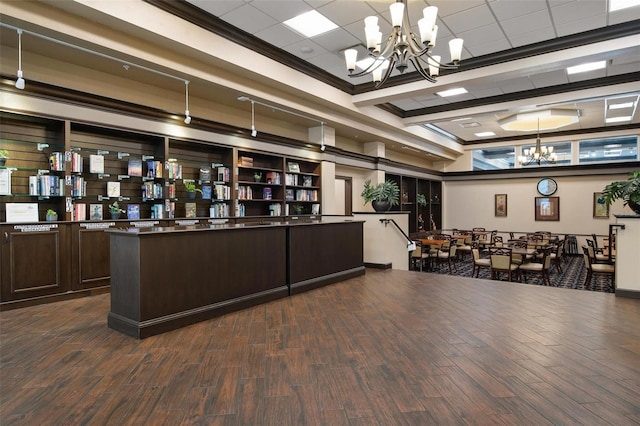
<point x="403" y="46"/>
<point x="539" y="154"/>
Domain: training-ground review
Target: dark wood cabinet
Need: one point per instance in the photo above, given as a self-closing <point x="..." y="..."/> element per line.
<point x="422" y="198"/>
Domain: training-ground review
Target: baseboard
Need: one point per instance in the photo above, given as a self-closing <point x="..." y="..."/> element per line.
<point x="633" y="294"/>
<point x="378" y="265"/>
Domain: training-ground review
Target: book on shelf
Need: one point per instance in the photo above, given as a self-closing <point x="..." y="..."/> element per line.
<point x="206" y="192"/>
<point x="46" y="186"/>
<point x="223" y="174"/>
<point x="96" y="163"/>
<point x="56" y="161"/>
<point x="291" y="179"/>
<point x="135" y="167"/>
<point x="76" y="162"/>
<point x="275" y="209"/>
<point x="157" y="211"/>
<point x="288" y="195"/>
<point x="113" y="189"/>
<point x="154" y="169"/>
<point x="133" y="211"/>
<point x="245" y="161"/>
<point x="95" y="211"/>
<point x="219" y="210"/>
<point x="273" y="178"/>
<point x="222" y="192"/>
<point x="266" y="193"/>
<point x="205" y="174"/>
<point x="5" y="182"/>
<point x="79" y="211"/>
<point x="171" y="190"/>
<point x="190" y="210"/>
<point x="174" y="170"/>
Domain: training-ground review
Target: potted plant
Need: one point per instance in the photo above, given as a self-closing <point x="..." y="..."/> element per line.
<point x="626" y="190"/>
<point x="422" y="200"/>
<point x="4" y="156"/>
<point x="382" y="196"/>
<point x="190" y="185"/>
<point x="257" y="176"/>
<point x="51" y="215"/>
<point x="115" y="210"/>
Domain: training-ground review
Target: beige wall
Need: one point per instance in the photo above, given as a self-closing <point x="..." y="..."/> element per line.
<point x="469" y="204"/>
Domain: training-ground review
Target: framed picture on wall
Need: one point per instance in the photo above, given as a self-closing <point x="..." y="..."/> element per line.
<point x="548" y="208"/>
<point x="600" y="208"/>
<point x="500" y="204"/>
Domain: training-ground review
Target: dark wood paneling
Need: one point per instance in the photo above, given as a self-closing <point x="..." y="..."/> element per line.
<point x="91" y="257"/>
<point x="35" y="262"/>
<point x="324" y="253"/>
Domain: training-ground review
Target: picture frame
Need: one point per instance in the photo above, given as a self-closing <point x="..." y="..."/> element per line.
<point x="600" y="208"/>
<point x="293" y="167"/>
<point x="547" y="209"/>
<point x="500" y="205"/>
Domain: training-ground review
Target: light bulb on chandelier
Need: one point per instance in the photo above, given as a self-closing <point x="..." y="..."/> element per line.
<point x="403" y="47"/>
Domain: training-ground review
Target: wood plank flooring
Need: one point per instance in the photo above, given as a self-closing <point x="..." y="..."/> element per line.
<point x="387" y="348"/>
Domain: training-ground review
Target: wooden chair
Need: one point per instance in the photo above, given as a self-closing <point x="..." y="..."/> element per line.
<point x="447" y="253"/>
<point x="518" y="258"/>
<point x="538" y="268"/>
<point x="557" y="254"/>
<point x="598" y="256"/>
<point x="419" y="256"/>
<point x="593" y="267"/>
<point x="501" y="262"/>
<point x="464" y="246"/>
<point x="478" y="262"/>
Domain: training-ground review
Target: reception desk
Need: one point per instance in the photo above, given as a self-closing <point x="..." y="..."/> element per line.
<point x="168" y="277"/>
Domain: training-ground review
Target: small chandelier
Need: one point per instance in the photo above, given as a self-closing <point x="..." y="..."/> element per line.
<point x="403" y="46"/>
<point x="539" y="154"/>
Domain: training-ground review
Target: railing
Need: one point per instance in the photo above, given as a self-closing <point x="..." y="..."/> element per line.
<point x="411" y="245"/>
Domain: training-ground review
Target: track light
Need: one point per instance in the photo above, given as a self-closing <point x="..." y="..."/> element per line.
<point x="187" y="117"/>
<point x="254" y="132"/>
<point x="20" y="80"/>
<point x="322" y="147"/>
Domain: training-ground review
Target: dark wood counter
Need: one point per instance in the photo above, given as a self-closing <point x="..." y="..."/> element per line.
<point x="166" y="278"/>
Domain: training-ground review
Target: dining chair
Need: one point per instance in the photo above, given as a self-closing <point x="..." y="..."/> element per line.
<point x="419" y="256"/>
<point x="447" y="254"/>
<point x="464" y="246"/>
<point x="478" y="262"/>
<point x="598" y="256"/>
<point x="519" y="258"/>
<point x="501" y="261"/>
<point x="541" y="268"/>
<point x="605" y="269"/>
<point x="556" y="255"/>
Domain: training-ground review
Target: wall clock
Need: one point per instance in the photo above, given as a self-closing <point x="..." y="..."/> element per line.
<point x="547" y="186"/>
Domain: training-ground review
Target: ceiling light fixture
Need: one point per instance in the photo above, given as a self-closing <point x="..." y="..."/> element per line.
<point x="547" y="119"/>
<point x="19" y="80"/>
<point x="187" y="117"/>
<point x="311" y="24"/>
<point x="538" y="155"/>
<point x="452" y="92"/>
<point x="403" y="46"/>
<point x="590" y="66"/>
<point x="254" y="132"/>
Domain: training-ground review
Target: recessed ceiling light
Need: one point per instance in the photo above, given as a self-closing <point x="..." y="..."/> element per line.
<point x="617" y="119"/>
<point x="311" y="24"/>
<point x="589" y="66"/>
<point x="452" y="92"/>
<point x="622" y="4"/>
<point x="485" y="134"/>
<point x="621" y="106"/>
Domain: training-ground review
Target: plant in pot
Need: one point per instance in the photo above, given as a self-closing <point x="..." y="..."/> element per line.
<point x="190" y="185"/>
<point x="4" y="156"/>
<point x="51" y="215"/>
<point x="115" y="210"/>
<point x="422" y="200"/>
<point x="257" y="176"/>
<point x="382" y="196"/>
<point x="626" y="190"/>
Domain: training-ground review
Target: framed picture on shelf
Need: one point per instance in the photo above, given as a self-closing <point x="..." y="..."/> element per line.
<point x="600" y="208"/>
<point x="547" y="208"/>
<point x="293" y="167"/>
<point x="500" y="204"/>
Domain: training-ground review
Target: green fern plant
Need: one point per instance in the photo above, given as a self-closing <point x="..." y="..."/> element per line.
<point x="626" y="190"/>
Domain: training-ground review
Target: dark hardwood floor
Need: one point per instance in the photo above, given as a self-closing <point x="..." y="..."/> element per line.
<point x="388" y="348"/>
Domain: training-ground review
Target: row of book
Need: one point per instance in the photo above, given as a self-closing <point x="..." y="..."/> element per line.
<point x="301" y="195"/>
<point x="79" y="211"/>
<point x="78" y="186"/>
<point x="219" y="210"/>
<point x="56" y="161"/>
<point x="298" y="180"/>
<point x="46" y="186"/>
<point x="152" y="191"/>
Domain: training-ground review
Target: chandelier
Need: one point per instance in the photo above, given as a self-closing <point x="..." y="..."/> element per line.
<point x="539" y="154"/>
<point x="403" y="47"/>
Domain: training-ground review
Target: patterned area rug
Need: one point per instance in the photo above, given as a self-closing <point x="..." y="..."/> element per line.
<point x="573" y="274"/>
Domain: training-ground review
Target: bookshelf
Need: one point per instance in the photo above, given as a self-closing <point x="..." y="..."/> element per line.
<point x="260" y="184"/>
<point x="302" y="188"/>
<point x="410" y="188"/>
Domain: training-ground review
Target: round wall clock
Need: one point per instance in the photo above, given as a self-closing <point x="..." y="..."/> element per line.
<point x="547" y="186"/>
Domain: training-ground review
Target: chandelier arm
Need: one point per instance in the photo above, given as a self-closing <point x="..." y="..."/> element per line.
<point x="424" y="73"/>
<point x="387" y="73"/>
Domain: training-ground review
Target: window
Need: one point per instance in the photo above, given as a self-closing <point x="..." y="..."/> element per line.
<point x="562" y="150"/>
<point x="608" y="150"/>
<point x="494" y="158"/>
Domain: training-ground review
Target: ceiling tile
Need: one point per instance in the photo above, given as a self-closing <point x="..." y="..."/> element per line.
<point x="281" y="10"/>
<point x="509" y="9"/>
<point x="586" y="24"/>
<point x="249" y="19"/>
<point x="579" y="10"/>
<point x="279" y="35"/>
<point x="306" y="49"/>
<point x="516" y="85"/>
<point x="346" y="12"/>
<point x="336" y="40"/>
<point x="527" y="23"/>
<point x="469" y="19"/>
<point x="448" y="7"/>
<point x="531" y="37"/>
<point x="217" y="8"/>
<point x="551" y="78"/>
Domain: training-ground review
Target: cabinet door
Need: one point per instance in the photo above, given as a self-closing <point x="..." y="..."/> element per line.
<point x="35" y="261"/>
<point x="91" y="265"/>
